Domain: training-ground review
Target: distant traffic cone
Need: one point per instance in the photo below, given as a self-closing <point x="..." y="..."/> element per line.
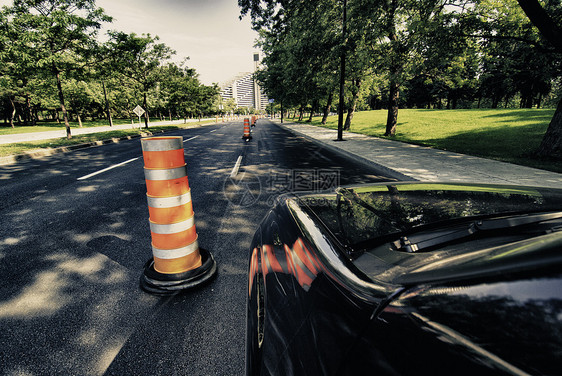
<point x="247" y="136"/>
<point x="178" y="262"/>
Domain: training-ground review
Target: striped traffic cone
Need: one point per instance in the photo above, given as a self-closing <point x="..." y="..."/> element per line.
<point x="178" y="262"/>
<point x="247" y="136"/>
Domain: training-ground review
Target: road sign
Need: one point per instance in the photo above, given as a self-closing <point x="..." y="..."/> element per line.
<point x="138" y="111"/>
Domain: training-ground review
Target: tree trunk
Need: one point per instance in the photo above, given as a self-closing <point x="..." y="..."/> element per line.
<point x="315" y="105"/>
<point x="526" y="99"/>
<point x="27" y="116"/>
<point x="131" y="113"/>
<point x="301" y="113"/>
<point x="351" y="109"/>
<point x="551" y="145"/>
<point x="107" y="111"/>
<point x="348" y="118"/>
<point x="13" y="113"/>
<point x="34" y="116"/>
<point x="392" y="118"/>
<point x="145" y="110"/>
<point x="395" y="67"/>
<point x="542" y="20"/>
<point x="79" y="119"/>
<point x="281" y="112"/>
<point x="328" y="107"/>
<point x="342" y="71"/>
<point x="61" y="100"/>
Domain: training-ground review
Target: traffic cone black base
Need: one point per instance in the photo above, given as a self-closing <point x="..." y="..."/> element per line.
<point x="158" y="283"/>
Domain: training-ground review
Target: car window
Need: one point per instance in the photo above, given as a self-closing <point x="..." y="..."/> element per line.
<point x="354" y="216"/>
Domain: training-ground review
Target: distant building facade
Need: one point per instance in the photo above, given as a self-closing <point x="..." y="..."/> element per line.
<point x="245" y="92"/>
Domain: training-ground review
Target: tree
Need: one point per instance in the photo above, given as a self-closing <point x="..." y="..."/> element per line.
<point x="361" y="54"/>
<point x="406" y="25"/>
<point x="206" y="96"/>
<point x="17" y="68"/>
<point x="453" y="50"/>
<point x="521" y="59"/>
<point x="550" y="27"/>
<point x="513" y="56"/>
<point x="139" y="59"/>
<point x="182" y="86"/>
<point x="82" y="96"/>
<point x="54" y="36"/>
<point x="300" y="41"/>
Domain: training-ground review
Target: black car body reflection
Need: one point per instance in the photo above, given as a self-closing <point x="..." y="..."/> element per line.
<point x="408" y="278"/>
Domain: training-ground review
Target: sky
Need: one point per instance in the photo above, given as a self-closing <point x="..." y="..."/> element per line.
<point x="219" y="45"/>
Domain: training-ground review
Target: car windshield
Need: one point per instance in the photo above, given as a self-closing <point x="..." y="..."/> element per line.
<point x="356" y="216"/>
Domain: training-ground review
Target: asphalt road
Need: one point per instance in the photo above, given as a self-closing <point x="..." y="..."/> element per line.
<point x="74" y="237"/>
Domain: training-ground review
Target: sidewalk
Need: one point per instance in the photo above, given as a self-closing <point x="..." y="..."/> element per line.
<point x="412" y="162"/>
<point x="59" y="133"/>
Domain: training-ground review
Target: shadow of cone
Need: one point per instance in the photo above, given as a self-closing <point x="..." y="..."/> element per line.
<point x="178" y="262"/>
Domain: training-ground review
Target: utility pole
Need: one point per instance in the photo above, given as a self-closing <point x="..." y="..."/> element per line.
<point x="342" y="72"/>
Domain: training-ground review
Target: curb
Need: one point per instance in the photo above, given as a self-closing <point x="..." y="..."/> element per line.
<point x="347" y="154"/>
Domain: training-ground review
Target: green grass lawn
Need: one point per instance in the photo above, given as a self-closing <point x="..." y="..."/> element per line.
<point x="510" y="135"/>
<point x="22" y="147"/>
<point x="44" y="126"/>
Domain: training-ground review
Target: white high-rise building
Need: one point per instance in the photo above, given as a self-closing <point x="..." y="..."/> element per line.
<point x="245" y="90"/>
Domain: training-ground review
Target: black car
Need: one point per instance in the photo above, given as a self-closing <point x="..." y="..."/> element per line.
<point x="408" y="279"/>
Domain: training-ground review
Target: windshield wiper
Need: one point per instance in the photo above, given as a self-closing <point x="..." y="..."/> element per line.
<point x="419" y="242"/>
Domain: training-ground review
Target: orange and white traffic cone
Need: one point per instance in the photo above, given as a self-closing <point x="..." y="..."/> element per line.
<point x="178" y="262"/>
<point x="247" y="136"/>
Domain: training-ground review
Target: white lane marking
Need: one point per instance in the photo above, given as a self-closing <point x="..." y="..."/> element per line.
<point x="214" y="130"/>
<point x="236" y="167"/>
<point x="107" y="169"/>
<point x="189" y="139"/>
